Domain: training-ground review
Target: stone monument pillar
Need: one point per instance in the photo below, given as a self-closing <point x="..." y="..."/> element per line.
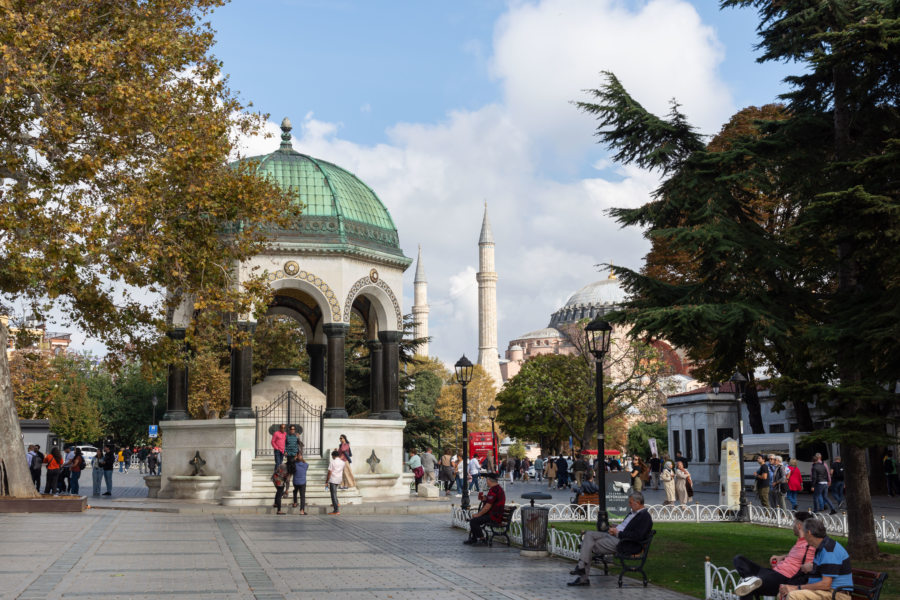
<point x="730" y="475"/>
<point x="334" y="393"/>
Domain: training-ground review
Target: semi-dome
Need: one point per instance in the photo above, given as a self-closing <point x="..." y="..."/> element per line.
<point x="340" y="212"/>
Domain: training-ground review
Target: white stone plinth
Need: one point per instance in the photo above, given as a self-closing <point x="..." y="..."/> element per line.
<point x="426" y="490"/>
<point x="194" y="487"/>
<point x="220" y="443"/>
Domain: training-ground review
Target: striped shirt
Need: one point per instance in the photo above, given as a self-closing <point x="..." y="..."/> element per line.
<point x="832" y="561"/>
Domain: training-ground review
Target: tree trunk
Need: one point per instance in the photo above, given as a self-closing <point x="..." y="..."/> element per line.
<point x="801" y="411"/>
<point x="12" y="450"/>
<point x="861" y="541"/>
<point x="751" y="399"/>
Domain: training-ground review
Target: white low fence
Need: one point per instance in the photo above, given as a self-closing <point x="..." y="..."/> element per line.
<point x="720" y="582"/>
<point x="886" y="530"/>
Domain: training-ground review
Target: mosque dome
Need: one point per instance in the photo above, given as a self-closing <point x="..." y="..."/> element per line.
<point x="341" y="214"/>
<point x="595" y="298"/>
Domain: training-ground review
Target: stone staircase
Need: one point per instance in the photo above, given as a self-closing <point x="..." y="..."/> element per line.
<point x="262" y="491"/>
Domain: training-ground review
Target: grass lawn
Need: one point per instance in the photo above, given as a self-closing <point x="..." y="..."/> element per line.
<point x="679" y="550"/>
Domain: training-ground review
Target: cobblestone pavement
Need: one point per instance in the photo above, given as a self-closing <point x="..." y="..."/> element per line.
<point x="137" y="555"/>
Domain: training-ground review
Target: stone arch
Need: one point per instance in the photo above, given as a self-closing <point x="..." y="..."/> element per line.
<point x="297" y="316"/>
<point x="315" y="287"/>
<point x="382" y="299"/>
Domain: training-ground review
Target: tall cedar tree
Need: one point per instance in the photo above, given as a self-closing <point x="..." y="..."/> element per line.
<point x="818" y="295"/>
<point x="116" y="126"/>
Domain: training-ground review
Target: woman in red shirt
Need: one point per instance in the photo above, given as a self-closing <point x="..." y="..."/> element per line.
<point x="795" y="483"/>
<point x="53" y="461"/>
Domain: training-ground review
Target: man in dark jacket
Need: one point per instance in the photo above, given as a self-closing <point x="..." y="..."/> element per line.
<point x="626" y="538"/>
<point x="109" y="461"/>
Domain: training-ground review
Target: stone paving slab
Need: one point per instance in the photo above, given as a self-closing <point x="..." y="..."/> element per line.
<point x="123" y="554"/>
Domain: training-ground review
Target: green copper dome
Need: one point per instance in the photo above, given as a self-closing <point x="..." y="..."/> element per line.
<point x="340" y="212"/>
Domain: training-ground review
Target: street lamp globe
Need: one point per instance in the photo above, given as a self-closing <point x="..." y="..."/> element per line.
<point x="740" y="383"/>
<point x="492" y="412"/>
<point x="716" y="386"/>
<point x="464" y="370"/>
<point x="599" y="334"/>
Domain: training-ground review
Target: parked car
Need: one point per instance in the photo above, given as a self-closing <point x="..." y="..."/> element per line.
<point x="531" y="472"/>
<point x="88" y="452"/>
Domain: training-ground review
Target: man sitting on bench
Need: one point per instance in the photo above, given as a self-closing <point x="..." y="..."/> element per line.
<point x="491" y="510"/>
<point x="587" y="486"/>
<point x="762" y="581"/>
<point x="625" y="539"/>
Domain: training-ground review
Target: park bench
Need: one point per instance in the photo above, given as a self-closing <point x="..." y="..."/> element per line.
<point x="867" y="584"/>
<point x="630" y="563"/>
<point x="501" y="529"/>
<point x="588" y="499"/>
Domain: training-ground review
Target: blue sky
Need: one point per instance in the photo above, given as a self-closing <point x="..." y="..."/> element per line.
<point x="442" y="106"/>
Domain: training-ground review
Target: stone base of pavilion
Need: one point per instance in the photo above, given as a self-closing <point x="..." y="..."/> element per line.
<point x="229" y="448"/>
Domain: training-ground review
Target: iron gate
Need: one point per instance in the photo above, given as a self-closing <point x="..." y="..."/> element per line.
<point x="289" y="409"/>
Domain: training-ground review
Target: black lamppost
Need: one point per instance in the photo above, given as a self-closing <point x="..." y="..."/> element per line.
<point x="740" y="384"/>
<point x="154" y="401"/>
<point x="492" y="414"/>
<point x="464" y="370"/>
<point x="599" y="334"/>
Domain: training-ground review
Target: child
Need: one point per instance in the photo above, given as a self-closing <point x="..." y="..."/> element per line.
<point x="335" y="477"/>
<point x="279" y="477"/>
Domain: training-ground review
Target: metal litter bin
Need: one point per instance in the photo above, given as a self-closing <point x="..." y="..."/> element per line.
<point x="534" y="523"/>
<point x="534" y="528"/>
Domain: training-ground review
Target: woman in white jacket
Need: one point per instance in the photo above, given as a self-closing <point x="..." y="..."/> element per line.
<point x="668" y="478"/>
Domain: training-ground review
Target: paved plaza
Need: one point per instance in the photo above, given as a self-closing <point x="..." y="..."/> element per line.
<point x="136" y="555"/>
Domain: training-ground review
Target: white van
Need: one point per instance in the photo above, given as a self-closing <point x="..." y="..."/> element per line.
<point x="786" y="445"/>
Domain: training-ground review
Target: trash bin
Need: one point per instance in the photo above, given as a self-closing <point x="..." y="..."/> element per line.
<point x="534" y="528"/>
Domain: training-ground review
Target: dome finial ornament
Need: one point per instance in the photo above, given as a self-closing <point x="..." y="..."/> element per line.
<point x="612" y="274"/>
<point x="286" y="134"/>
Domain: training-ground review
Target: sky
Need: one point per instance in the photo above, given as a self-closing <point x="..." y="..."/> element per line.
<point x="441" y="107"/>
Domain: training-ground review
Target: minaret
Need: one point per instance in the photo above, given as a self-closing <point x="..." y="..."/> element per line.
<point x="420" y="305"/>
<point x="488" y="356"/>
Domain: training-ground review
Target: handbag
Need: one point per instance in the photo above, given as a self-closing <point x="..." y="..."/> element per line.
<point x="418" y="472"/>
<point x="688" y="487"/>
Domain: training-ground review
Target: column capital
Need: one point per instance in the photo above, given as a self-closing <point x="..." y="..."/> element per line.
<point x="336" y="329"/>
<point x="390" y="337"/>
<point x="374" y="345"/>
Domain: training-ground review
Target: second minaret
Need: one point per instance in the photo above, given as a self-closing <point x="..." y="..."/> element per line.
<point x="488" y="356"/>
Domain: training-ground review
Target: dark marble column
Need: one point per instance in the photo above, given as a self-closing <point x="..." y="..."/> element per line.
<point x="177" y="385"/>
<point x="317" y="365"/>
<point x="376" y="379"/>
<point x="242" y="376"/>
<point x="390" y="341"/>
<point x="334" y="393"/>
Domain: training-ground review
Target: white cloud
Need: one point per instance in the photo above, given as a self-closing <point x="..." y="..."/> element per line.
<point x="546" y="53"/>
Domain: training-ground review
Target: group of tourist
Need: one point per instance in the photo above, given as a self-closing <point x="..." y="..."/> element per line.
<point x="778" y="484"/>
<point x="291" y="469"/>
<point x="63" y="469"/>
<point x="447" y="469"/>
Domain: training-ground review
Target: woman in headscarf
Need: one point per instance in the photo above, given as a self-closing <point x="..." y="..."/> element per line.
<point x="682" y="484"/>
<point x="346" y="453"/>
<point x="668" y="478"/>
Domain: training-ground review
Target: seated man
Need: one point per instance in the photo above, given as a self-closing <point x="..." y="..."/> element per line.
<point x="762" y="581"/>
<point x="587" y="486"/>
<point x="626" y="538"/>
<point x="491" y="510"/>
<point x="830" y="576"/>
